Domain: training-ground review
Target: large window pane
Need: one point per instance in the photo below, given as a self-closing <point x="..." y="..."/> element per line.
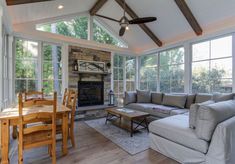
<point x="201" y="51"/>
<point x="214" y="73"/>
<point x="172" y="70"/>
<point x="148" y="72"/>
<point x="26" y="66"/>
<point x="52" y="69"/>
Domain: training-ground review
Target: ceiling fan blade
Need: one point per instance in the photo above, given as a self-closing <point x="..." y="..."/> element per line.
<point x="107" y="18"/>
<point x="122" y="31"/>
<point x="142" y="20"/>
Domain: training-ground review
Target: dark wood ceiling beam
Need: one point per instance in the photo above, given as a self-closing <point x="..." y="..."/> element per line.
<point x="19" y="2"/>
<point x="97" y="6"/>
<point x="189" y="16"/>
<point x="145" y="28"/>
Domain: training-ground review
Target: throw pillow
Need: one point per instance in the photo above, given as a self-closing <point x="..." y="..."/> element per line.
<point x="130" y="97"/>
<point x="143" y="96"/>
<point x="156" y="97"/>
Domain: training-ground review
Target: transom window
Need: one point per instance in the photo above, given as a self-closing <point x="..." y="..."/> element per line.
<point x="212" y="66"/>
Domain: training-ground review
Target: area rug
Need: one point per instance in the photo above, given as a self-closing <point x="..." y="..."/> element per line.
<point x="133" y="145"/>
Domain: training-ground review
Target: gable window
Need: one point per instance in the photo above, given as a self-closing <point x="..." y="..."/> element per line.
<point x="172" y="70"/>
<point x="212" y="66"/>
<point x="26" y="65"/>
<point x="76" y="27"/>
<point x="101" y="35"/>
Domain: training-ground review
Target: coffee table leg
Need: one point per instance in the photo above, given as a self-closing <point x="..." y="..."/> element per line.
<point x="131" y="128"/>
<point x="107" y="118"/>
<point x="146" y="124"/>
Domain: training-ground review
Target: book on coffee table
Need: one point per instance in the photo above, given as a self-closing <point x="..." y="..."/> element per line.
<point x="125" y="110"/>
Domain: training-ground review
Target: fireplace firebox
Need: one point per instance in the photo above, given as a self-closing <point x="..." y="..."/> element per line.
<point x="90" y="93"/>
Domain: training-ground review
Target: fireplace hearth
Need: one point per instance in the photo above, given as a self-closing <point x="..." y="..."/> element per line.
<point x="90" y="93"/>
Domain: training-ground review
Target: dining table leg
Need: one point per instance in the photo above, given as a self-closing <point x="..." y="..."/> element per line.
<point x="65" y="133"/>
<point x="5" y="141"/>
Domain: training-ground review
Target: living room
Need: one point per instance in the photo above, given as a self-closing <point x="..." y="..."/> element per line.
<point x="117" y="81"/>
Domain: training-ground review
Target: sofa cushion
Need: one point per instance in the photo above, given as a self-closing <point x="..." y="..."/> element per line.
<point x="130" y="97"/>
<point x="190" y="100"/>
<point x="217" y="97"/>
<point x="202" y="97"/>
<point x="153" y="109"/>
<point x="156" y="97"/>
<point x="174" y="100"/>
<point x="175" y="129"/>
<point x="193" y="112"/>
<point x="211" y="115"/>
<point x="143" y="96"/>
<point x="178" y="111"/>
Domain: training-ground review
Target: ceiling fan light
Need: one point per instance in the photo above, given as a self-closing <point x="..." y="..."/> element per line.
<point x="127" y="28"/>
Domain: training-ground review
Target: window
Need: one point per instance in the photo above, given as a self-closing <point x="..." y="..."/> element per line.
<point x="148" y="72"/>
<point x="130" y="73"/>
<point x="76" y="27"/>
<point x="123" y="76"/>
<point x="52" y="69"/>
<point x="172" y="70"/>
<point x="212" y="66"/>
<point x="118" y="76"/>
<point x="101" y="35"/>
<point x="26" y="66"/>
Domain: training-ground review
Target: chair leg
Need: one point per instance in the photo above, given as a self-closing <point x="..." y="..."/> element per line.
<point x="53" y="152"/>
<point x="49" y="150"/>
<point x="20" y="154"/>
<point x="72" y="137"/>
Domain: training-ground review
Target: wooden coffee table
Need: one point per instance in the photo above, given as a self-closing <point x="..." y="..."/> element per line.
<point x="126" y="118"/>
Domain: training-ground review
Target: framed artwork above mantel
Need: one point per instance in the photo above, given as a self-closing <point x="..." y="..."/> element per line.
<point x="91" y="66"/>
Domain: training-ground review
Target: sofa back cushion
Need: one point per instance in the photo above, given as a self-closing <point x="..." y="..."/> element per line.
<point x="143" y="96"/>
<point x="193" y="112"/>
<point x="156" y="97"/>
<point x="130" y="97"/>
<point x="190" y="100"/>
<point x="202" y="97"/>
<point x="209" y="116"/>
<point x="174" y="100"/>
<point x="217" y="97"/>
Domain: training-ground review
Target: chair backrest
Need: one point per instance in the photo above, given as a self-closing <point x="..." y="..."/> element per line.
<point x="32" y="95"/>
<point x="49" y="116"/>
<point x="65" y="97"/>
<point x="71" y="103"/>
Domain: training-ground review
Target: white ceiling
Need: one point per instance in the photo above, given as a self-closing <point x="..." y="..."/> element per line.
<point x="170" y="21"/>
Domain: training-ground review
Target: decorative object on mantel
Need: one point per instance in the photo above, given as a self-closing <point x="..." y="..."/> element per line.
<point x="75" y="66"/>
<point x="111" y="98"/>
<point x="108" y="66"/>
<point x="91" y="66"/>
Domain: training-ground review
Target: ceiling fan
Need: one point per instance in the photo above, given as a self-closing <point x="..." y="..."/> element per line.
<point x="124" y="22"/>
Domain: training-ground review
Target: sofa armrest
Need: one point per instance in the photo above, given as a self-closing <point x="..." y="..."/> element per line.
<point x="222" y="147"/>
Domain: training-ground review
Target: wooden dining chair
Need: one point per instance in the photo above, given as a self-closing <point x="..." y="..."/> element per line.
<point x="65" y="97"/>
<point x="37" y="133"/>
<point x="71" y="103"/>
<point x="33" y="95"/>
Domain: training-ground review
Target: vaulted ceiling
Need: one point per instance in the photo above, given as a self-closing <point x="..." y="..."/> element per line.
<point x="171" y="23"/>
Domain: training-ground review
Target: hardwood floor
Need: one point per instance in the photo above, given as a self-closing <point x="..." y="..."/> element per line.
<point x="92" y="148"/>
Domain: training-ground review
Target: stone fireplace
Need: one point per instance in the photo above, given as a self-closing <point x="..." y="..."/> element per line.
<point x="89" y="85"/>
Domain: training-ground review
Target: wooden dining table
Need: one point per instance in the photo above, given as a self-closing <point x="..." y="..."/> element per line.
<point x="10" y="117"/>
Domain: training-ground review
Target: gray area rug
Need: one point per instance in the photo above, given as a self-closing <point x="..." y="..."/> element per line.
<point x="133" y="145"/>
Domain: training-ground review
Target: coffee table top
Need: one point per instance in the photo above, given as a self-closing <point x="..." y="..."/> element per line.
<point x="125" y="112"/>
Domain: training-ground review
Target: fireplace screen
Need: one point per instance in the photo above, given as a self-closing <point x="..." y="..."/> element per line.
<point x="90" y="93"/>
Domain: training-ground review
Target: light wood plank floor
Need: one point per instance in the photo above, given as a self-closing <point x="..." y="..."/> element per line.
<point x="92" y="148"/>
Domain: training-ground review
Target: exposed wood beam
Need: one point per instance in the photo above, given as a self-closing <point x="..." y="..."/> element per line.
<point x="189" y="16"/>
<point x="145" y="28"/>
<point x="97" y="6"/>
<point x="19" y="2"/>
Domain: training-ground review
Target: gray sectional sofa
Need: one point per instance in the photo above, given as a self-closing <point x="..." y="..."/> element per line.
<point x="162" y="105"/>
<point x="194" y="128"/>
